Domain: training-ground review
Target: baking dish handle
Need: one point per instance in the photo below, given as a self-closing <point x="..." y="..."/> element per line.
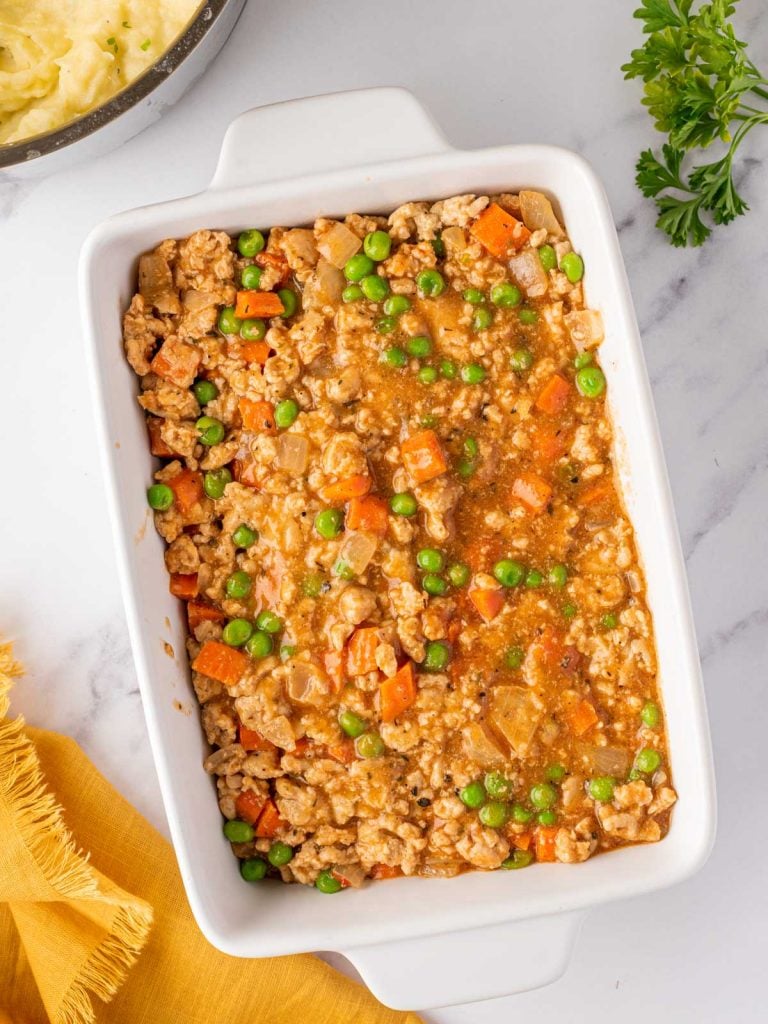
<point x="325" y="133"/>
<point x="468" y="966"/>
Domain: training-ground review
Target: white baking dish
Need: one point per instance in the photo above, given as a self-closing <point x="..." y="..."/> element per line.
<point x="416" y="942"/>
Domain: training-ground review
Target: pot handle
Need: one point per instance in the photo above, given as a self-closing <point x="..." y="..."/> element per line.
<point x="468" y="966"/>
<point x="325" y="133"/>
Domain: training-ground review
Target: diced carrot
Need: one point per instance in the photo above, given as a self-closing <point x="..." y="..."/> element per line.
<point x="183" y="585"/>
<point x="250" y="351"/>
<point x="531" y="491"/>
<point x="221" y="662"/>
<point x="177" y="361"/>
<point x="398" y="693"/>
<point x="248" y="473"/>
<point x="368" y="513"/>
<point x="257" y="304"/>
<point x="344" y="490"/>
<point x="522" y="842"/>
<point x="544" y="842"/>
<point x="302" y="745"/>
<point x="257" y="416"/>
<point x="381" y="871"/>
<point x="198" y="612"/>
<point x="553" y="397"/>
<point x="157" y="445"/>
<point x="423" y="456"/>
<point x="594" y="495"/>
<point x="361" y="653"/>
<point x="334" y="667"/>
<point x="548" y="444"/>
<point x="344" y="752"/>
<point x="249" y="806"/>
<point x="487" y="602"/>
<point x="499" y="231"/>
<point x="270" y="821"/>
<point x="582" y="717"/>
<point x="187" y="489"/>
<point x="250" y="740"/>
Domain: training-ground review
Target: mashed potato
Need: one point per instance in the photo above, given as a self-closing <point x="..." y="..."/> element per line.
<point x="61" y="58"/>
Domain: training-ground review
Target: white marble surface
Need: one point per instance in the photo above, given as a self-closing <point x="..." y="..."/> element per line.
<point x="491" y="72"/>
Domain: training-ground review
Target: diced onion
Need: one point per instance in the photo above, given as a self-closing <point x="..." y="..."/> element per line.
<point x="194" y="301"/>
<point x="515" y="714"/>
<point x="454" y="239"/>
<point x="338" y="245"/>
<point x="306" y="683"/>
<point x="292" y="454"/>
<point x="350" y="874"/>
<point x="480" y="748"/>
<point x="605" y="760"/>
<point x="538" y="213"/>
<point x="585" y="327"/>
<point x="528" y="272"/>
<point x="156" y="283"/>
<point x="327" y="284"/>
<point x="357" y="551"/>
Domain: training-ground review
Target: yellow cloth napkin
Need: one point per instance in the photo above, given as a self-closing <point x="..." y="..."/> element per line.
<point x="72" y="937"/>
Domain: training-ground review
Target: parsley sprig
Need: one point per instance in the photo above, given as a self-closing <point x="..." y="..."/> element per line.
<point x="700" y="88"/>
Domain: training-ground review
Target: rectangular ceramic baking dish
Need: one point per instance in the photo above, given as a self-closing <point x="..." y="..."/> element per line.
<point x="417" y="942"/>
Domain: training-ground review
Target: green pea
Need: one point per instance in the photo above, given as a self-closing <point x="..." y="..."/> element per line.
<point x="215" y="480"/>
<point x="437" y="656"/>
<point x="601" y="789"/>
<point x="430" y="283"/>
<point x="429" y="420"/>
<point x="205" y="391"/>
<point x="434" y="585"/>
<point x="466" y="468"/>
<point x="482" y="319"/>
<point x="250" y="243"/>
<point x="448" y="369"/>
<point x="514" y="657"/>
<point x="521" y="814"/>
<point x="329" y="523"/>
<point x="312" y="584"/>
<point x="518" y="859"/>
<point x="236" y="632"/>
<point x="590" y="380"/>
<point x="609" y="621"/>
<point x="556" y="772"/>
<point x="528" y="316"/>
<point x="287" y="651"/>
<point x="651" y="714"/>
<point x="290" y="301"/>
<point x="647" y="761"/>
<point x="430" y="559"/>
<point x="418" y="347"/>
<point x="474" y="296"/>
<point x="238" y="585"/>
<point x="557" y="576"/>
<point x="521" y="360"/>
<point x="370" y="744"/>
<point x="542" y="796"/>
<point x="494" y="814"/>
<point x="498" y="786"/>
<point x="572" y="265"/>
<point x="253" y="330"/>
<point x="396" y="305"/>
<point x="569" y="610"/>
<point x="228" y="322"/>
<point x="472" y="373"/>
<point x="533" y="579"/>
<point x="403" y="504"/>
<point x="159" y="497"/>
<point x="253" y="869"/>
<point x="259" y="645"/>
<point x="280" y="854"/>
<point x="508" y="572"/>
<point x="286" y="413"/>
<point x="473" y="795"/>
<point x="427" y="374"/>
<point x="250" y="277"/>
<point x="506" y="295"/>
<point x="358" y="267"/>
<point x="438" y="247"/>
<point x="269" y="622"/>
<point x="548" y="257"/>
<point x="394" y="357"/>
<point x="244" y="536"/>
<point x="353" y="725"/>
<point x="238" y="831"/>
<point x="343" y="570"/>
<point x="459" y="574"/>
<point x="211" y="430"/>
<point x="583" y="359"/>
<point x="377" y="245"/>
<point x="471" y="447"/>
<point x="375" y="288"/>
<point x="352" y="293"/>
<point x="325" y="882"/>
<point x="547" y="818"/>
<point x="385" y="325"/>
